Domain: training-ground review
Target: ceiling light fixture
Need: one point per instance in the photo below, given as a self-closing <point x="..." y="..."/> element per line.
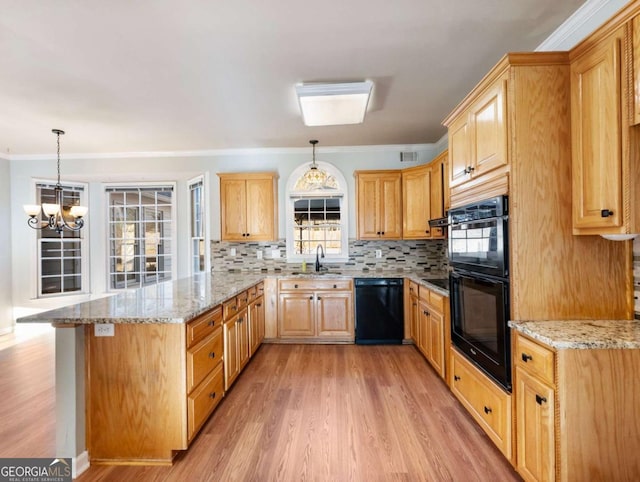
<point x="315" y="178"/>
<point x="54" y="214"/>
<point x="334" y="104"/>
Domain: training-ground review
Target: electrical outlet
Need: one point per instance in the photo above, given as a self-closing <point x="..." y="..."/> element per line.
<point x="103" y="329"/>
<point x="275" y="253"/>
<point x="378" y="253"/>
<point x="232" y="251"/>
<point x="259" y="253"/>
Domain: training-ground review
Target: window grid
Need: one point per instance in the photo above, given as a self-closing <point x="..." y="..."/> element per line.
<point x="140" y="248"/>
<point x="317" y="221"/>
<point x="60" y="254"/>
<point x="196" y="192"/>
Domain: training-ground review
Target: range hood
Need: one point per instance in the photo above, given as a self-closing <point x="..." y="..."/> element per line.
<point x="439" y="222"/>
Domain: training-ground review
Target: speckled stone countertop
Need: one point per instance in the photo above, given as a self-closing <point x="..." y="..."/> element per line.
<point x="583" y="334"/>
<point x="181" y="300"/>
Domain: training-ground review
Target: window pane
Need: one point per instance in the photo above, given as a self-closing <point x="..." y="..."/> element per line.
<point x="71" y="283"/>
<point x="51" y="285"/>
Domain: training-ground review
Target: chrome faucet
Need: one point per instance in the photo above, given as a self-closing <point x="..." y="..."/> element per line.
<point x="319" y="247"/>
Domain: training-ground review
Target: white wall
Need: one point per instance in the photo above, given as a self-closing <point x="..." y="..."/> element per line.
<point x="6" y="318"/>
<point x="176" y="169"/>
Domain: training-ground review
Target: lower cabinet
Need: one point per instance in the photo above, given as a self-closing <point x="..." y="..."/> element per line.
<point x="236" y="346"/>
<point x="255" y="323"/>
<point x="316" y="310"/>
<point x="430" y="324"/>
<point x="488" y="404"/>
<point x="576" y="412"/>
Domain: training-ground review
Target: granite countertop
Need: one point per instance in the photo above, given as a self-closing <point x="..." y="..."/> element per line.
<point x="181" y="300"/>
<point x="583" y="334"/>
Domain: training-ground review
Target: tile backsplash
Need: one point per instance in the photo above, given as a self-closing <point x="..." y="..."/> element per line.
<point x="397" y="256"/>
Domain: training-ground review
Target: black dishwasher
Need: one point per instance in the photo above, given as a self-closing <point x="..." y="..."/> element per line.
<point x="379" y="311"/>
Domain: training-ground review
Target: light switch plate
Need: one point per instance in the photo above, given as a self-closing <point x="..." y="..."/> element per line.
<point x="378" y="253"/>
<point x="104" y="329"/>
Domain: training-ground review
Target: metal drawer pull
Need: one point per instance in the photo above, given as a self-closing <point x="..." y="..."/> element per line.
<point x="487" y="410"/>
<point x="540" y="399"/>
<point x="212" y="354"/>
<point x="526" y="358"/>
<point x="212" y="395"/>
<point x="456" y="378"/>
<point x="295" y="286"/>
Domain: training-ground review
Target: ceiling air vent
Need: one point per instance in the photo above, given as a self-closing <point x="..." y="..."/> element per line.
<point x="408" y="157"/>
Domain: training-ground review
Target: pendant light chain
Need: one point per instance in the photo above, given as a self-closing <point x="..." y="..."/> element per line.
<point x="58" y="184"/>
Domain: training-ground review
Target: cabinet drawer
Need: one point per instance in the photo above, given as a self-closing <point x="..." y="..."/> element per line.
<point x="413" y="288"/>
<point x="203" y="357"/>
<point x="315" y="284"/>
<point x="437" y="301"/>
<point x="230" y="308"/>
<point x="252" y="293"/>
<point x="202" y="326"/>
<point x="487" y="404"/>
<point x="259" y="289"/>
<point x="202" y="401"/>
<point x="535" y="358"/>
<point x="242" y="299"/>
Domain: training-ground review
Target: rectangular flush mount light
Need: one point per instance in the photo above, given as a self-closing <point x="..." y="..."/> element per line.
<point x="334" y="104"/>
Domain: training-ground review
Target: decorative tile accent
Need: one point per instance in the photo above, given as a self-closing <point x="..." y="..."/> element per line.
<point x="397" y="256"/>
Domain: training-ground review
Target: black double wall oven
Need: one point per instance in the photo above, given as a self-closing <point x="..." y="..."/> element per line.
<point x="479" y="285"/>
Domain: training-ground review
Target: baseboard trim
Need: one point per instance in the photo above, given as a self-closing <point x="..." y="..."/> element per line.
<point x="79" y="464"/>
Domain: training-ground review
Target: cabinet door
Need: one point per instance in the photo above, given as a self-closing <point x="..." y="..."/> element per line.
<point x="391" y="206"/>
<point x="296" y="318"/>
<point x="256" y="324"/>
<point x="368" y="215"/>
<point x="459" y="151"/>
<point x="437" y="193"/>
<point x="597" y="136"/>
<point x="488" y="118"/>
<point x="233" y="209"/>
<point x="423" y="328"/>
<point x="414" y="316"/>
<point x="260" y="210"/>
<point x="231" y="356"/>
<point x="416" y="202"/>
<point x="243" y="338"/>
<point x="436" y="341"/>
<point x="535" y="428"/>
<point x="334" y="314"/>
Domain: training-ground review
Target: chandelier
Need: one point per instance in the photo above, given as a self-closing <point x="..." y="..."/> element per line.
<point x="315" y="177"/>
<point x="57" y="216"/>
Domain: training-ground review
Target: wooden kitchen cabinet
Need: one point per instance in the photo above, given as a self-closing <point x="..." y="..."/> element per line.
<point x="236" y="337"/>
<point x="635" y="52"/>
<point x="478" y="136"/>
<point x="439" y="192"/>
<point x="488" y="404"/>
<point x="256" y="315"/>
<point x="416" y="202"/>
<point x="379" y="204"/>
<point x="431" y="327"/>
<point x="576" y="411"/>
<point x="248" y="206"/>
<point x="411" y="313"/>
<point x="124" y="406"/>
<point x="316" y="310"/>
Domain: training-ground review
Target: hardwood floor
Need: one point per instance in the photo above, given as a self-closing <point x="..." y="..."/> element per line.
<point x="333" y="412"/>
<point x="27" y="400"/>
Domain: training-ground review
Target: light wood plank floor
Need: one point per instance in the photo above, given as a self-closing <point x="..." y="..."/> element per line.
<point x="297" y="412"/>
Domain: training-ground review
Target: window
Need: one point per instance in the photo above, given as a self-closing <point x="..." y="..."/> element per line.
<point x="61" y="256"/>
<point x="140" y="235"/>
<point x="196" y="226"/>
<point x="317" y="216"/>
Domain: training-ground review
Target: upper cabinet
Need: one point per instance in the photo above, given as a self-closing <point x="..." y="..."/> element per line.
<point x="379" y="204"/>
<point x="478" y="135"/>
<point x="605" y="101"/>
<point x="439" y="191"/>
<point x="248" y="206"/>
<point x="416" y="202"/>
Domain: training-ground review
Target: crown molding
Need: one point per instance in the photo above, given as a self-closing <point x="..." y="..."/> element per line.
<point x="579" y="25"/>
<point x="228" y="152"/>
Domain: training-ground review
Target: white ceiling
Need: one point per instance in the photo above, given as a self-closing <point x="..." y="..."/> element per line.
<point x="170" y="75"/>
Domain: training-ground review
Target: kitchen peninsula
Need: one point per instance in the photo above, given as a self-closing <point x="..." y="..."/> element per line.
<point x="148" y="362"/>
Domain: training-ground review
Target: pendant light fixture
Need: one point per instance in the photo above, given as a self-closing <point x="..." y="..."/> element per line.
<point x="54" y="214"/>
<point x="315" y="177"/>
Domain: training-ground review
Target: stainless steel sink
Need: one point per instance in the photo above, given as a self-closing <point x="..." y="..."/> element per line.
<point x="316" y="273"/>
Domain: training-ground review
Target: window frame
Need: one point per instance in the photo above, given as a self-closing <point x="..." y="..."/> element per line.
<point x="204" y="209"/>
<point x="112" y="187"/>
<point x="83" y="189"/>
<point x="291" y="196"/>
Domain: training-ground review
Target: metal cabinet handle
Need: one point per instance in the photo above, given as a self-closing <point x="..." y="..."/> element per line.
<point x="211" y="323"/>
<point x="605" y="213"/>
<point x="212" y="354"/>
<point x="212" y="395"/>
<point x="456" y="378"/>
<point x="335" y="286"/>
<point x="311" y="297"/>
<point x="526" y="358"/>
<point x="295" y="286"/>
<point x="540" y="400"/>
<point x="487" y="410"/>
